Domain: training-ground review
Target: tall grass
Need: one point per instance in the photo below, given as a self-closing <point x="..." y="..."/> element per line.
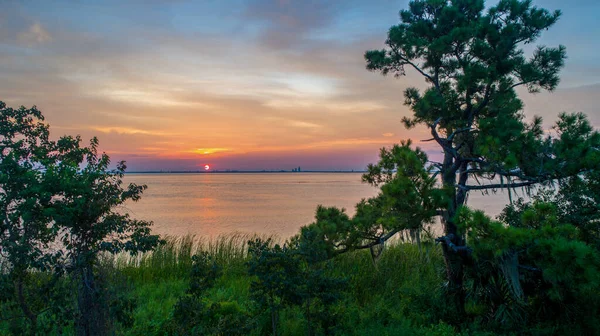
<point x="397" y="294"/>
<point x="173" y="259"/>
<point x="400" y="287"/>
<point x="159" y="278"/>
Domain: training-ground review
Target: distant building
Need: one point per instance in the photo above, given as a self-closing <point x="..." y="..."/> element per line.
<point x="298" y="169"/>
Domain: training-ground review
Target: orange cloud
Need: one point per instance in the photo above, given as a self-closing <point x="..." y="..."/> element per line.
<point x="127" y="130"/>
<point x="209" y="151"/>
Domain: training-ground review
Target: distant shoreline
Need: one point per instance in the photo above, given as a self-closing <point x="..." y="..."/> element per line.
<point x="247" y="172"/>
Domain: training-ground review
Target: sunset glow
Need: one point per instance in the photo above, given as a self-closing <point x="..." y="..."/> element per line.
<point x="256" y="84"/>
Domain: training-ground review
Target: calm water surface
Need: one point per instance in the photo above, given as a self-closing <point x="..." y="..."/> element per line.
<point x="278" y="203"/>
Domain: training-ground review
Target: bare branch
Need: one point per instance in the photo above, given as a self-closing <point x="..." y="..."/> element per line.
<point x="378" y="241"/>
<point x="520" y="83"/>
<point x="499" y="185"/>
<point x="431" y="79"/>
<point x="405" y="60"/>
<point x="442" y="142"/>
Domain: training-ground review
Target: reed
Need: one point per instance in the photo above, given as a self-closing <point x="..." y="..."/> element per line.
<point x="397" y="294"/>
<point x="173" y="259"/>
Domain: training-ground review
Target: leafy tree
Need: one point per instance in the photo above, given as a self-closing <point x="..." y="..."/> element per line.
<point x="85" y="213"/>
<point x="205" y="273"/>
<point x="26" y="200"/>
<point x="57" y="192"/>
<point x="278" y="274"/>
<point x="195" y="314"/>
<point x="295" y="274"/>
<point x="472" y="60"/>
<point x="318" y="288"/>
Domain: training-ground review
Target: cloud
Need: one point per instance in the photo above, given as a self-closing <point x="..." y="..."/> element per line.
<point x="286" y="24"/>
<point x="147" y="97"/>
<point x="127" y="130"/>
<point x="164" y="78"/>
<point x="36" y="34"/>
<point x="304" y="124"/>
<point x="335" y="105"/>
<point x="209" y="151"/>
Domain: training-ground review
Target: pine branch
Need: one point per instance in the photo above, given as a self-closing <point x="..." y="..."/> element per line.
<point x="447" y="241"/>
<point x="499" y="185"/>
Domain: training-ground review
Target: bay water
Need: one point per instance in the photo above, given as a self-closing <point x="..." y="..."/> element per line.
<point x="212" y="204"/>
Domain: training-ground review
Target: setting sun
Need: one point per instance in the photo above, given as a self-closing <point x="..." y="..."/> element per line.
<point x="206" y="167"/>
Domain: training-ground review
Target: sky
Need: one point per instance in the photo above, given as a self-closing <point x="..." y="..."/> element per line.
<point x="241" y="84"/>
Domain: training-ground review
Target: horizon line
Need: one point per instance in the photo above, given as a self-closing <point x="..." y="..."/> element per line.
<point x="239" y="171"/>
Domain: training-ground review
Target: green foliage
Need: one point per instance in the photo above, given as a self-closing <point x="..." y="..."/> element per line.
<point x="469" y="56"/>
<point x="472" y="59"/>
<point x="295" y="274"/>
<point x="403" y="295"/>
<point x="278" y="273"/>
<point x="538" y="271"/>
<point x="578" y="203"/>
<point x="86" y="209"/>
<point x="194" y="314"/>
<point x="331" y="231"/>
<point x="408" y="200"/>
<point x="204" y="274"/>
<point x="318" y="288"/>
<point x="85" y="212"/>
<point x="409" y="196"/>
<point x="28" y="231"/>
<point x="25" y="200"/>
<point x="59" y="194"/>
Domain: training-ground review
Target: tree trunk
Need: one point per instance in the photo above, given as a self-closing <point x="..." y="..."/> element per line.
<point x="309" y="331"/>
<point x="32" y="317"/>
<point x="453" y="260"/>
<point x="93" y="314"/>
<point x="274" y="320"/>
<point x="454" y="273"/>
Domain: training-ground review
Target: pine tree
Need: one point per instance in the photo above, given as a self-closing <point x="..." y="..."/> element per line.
<point x="472" y="59"/>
